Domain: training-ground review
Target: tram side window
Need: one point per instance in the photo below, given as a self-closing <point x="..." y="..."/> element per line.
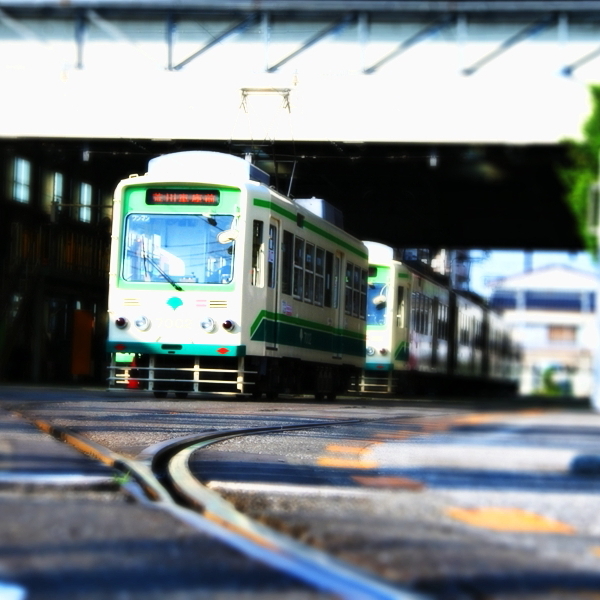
<point x="478" y="335"/>
<point x="364" y="283"/>
<point x="442" y="322"/>
<point x="337" y="275"/>
<point x="298" y="267"/>
<point x="400" y="307"/>
<point x="464" y="332"/>
<point x="348" y="289"/>
<point x="330" y="282"/>
<point x="319" y="276"/>
<point x="427" y="310"/>
<point x="356" y="291"/>
<point x="287" y="254"/>
<point x="420" y="305"/>
<point x="272" y="257"/>
<point x="309" y="278"/>
<point x="257" y="253"/>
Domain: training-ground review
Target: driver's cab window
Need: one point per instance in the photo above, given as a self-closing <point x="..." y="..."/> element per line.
<point x="377" y="303"/>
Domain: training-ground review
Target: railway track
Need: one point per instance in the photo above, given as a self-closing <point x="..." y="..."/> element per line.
<point x="160" y="475"/>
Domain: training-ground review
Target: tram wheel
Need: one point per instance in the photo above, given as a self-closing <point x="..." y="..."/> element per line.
<point x="160" y="394"/>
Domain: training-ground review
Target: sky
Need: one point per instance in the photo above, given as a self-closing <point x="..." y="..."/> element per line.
<point x="501" y="263"/>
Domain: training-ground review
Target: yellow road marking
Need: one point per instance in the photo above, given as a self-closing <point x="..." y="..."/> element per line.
<point x="509" y="519"/>
<point x="477" y="419"/>
<point x="348" y="449"/>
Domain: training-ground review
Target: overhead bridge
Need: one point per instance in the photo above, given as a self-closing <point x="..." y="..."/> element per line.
<point x="469" y="71"/>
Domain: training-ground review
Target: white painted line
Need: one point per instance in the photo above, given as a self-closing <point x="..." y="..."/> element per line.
<point x="473" y="456"/>
<point x="274" y="488"/>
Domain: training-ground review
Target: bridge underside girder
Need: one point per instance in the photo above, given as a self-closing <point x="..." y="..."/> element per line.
<point x="405" y="195"/>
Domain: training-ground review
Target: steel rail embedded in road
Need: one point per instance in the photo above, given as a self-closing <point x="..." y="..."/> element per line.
<point x="219" y="518"/>
<point x="306" y="562"/>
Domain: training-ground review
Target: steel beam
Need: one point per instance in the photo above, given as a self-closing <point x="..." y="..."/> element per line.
<point x="80" y="33"/>
<point x="247" y="22"/>
<point x="567" y="71"/>
<point x="527" y="32"/>
<point x="133" y="7"/>
<point x="331" y="29"/>
<point x="411" y="41"/>
<point x="22" y="30"/>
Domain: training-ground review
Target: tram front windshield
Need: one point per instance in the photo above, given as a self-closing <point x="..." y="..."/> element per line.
<point x="376" y="304"/>
<point x="178" y="248"/>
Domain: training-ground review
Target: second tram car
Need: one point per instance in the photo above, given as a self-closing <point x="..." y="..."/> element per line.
<point x="424" y="337"/>
<point x="218" y="283"/>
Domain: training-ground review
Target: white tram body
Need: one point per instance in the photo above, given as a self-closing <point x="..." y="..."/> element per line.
<point x="218" y="283"/>
<point x="424" y="337"/>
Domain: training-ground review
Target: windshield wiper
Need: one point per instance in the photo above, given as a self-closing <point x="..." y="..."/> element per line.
<point x="164" y="275"/>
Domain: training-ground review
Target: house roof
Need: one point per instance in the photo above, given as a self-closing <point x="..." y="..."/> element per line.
<point x="552" y="277"/>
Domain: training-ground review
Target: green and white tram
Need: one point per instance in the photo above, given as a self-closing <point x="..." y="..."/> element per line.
<point x="425" y="337"/>
<point x="218" y="283"/>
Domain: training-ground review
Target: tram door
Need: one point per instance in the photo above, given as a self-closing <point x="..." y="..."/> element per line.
<point x="273" y="291"/>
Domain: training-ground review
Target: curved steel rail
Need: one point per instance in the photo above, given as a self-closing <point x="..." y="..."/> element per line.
<point x="215" y="516"/>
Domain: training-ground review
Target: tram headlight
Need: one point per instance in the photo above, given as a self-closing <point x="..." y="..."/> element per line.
<point x="370" y="351"/>
<point x="208" y="324"/>
<point x="121" y="322"/>
<point x="383" y="352"/>
<point x="228" y="325"/>
<point x="142" y="323"/>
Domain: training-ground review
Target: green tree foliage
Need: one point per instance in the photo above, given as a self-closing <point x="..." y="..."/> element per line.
<point x="584" y="170"/>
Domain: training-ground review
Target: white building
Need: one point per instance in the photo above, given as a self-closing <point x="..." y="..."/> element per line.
<point x="552" y="313"/>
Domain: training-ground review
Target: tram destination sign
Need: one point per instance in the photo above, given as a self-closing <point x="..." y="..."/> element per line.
<point x="171" y="196"/>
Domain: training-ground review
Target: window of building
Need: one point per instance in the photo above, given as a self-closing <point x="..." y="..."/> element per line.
<point x="554" y="300"/>
<point x="85" y="202"/>
<point x="21" y="180"/>
<point x="53" y="193"/>
<point x="502" y="299"/>
<point x="562" y="333"/>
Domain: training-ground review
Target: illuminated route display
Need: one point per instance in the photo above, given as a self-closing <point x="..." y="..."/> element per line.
<point x="194" y="197"/>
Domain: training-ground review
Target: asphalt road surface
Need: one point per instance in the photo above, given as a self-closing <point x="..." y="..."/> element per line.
<point x="456" y="500"/>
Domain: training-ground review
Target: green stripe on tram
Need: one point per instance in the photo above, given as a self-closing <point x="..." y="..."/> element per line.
<point x="309" y="225"/>
<point x="290" y="331"/>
